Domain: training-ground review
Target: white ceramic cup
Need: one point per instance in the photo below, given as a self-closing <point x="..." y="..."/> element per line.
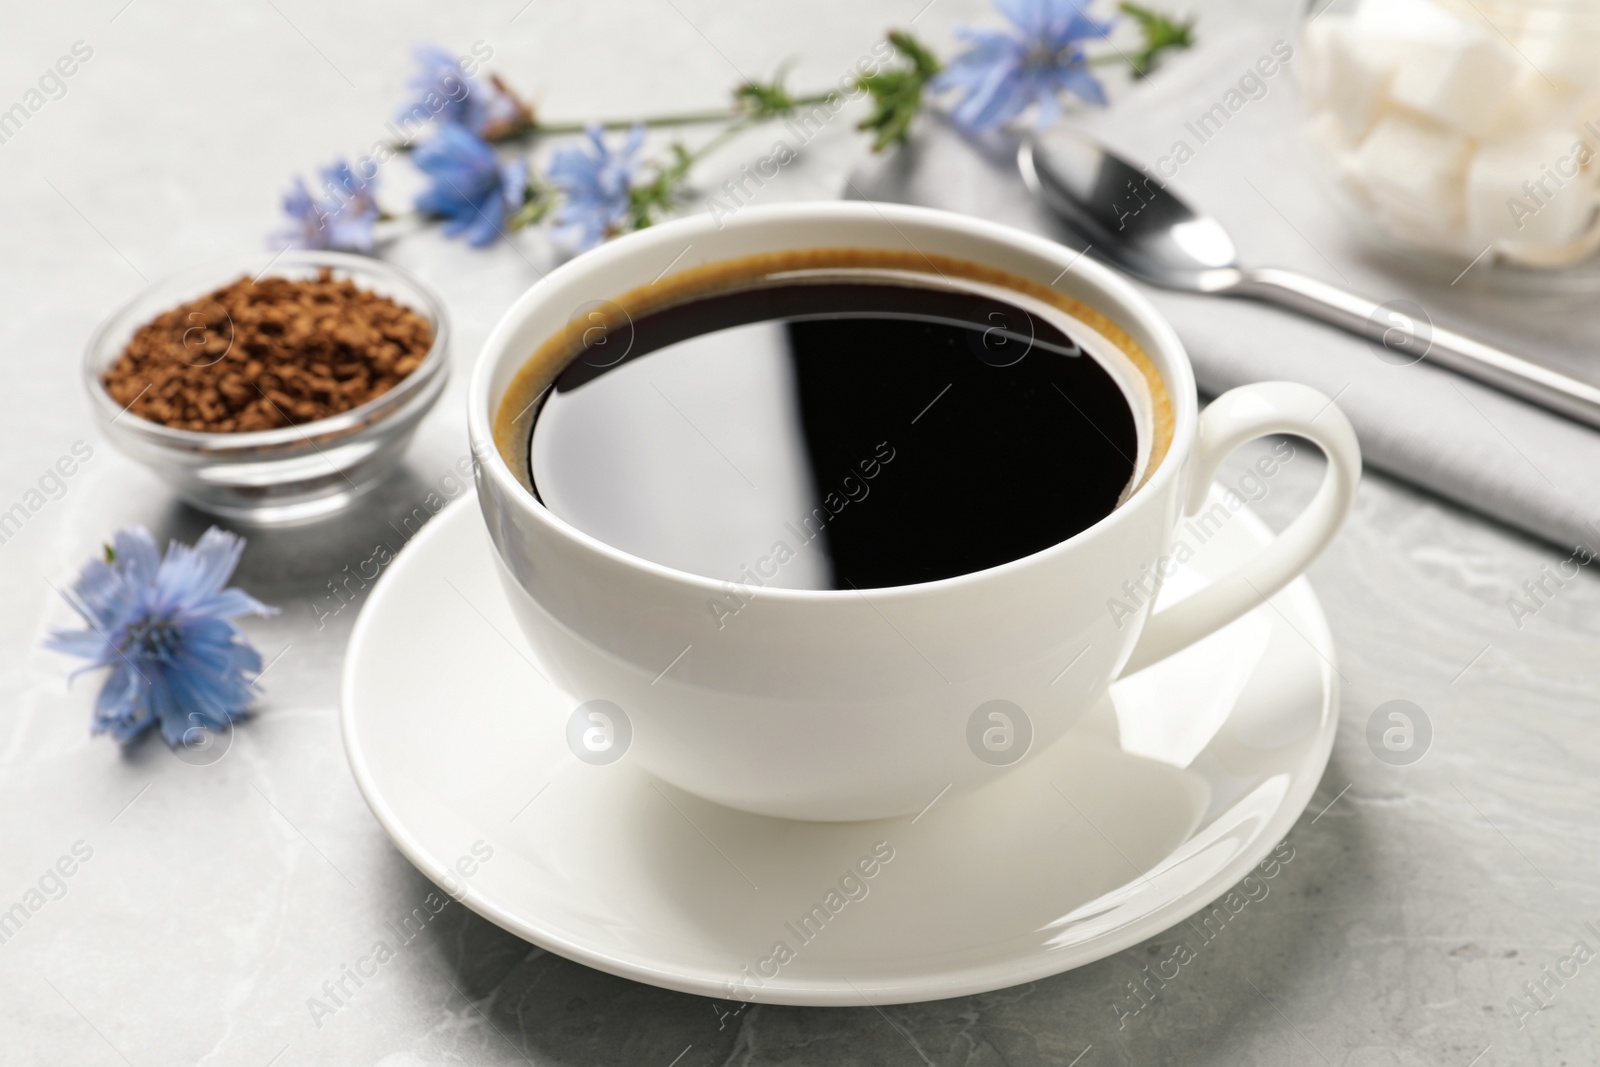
<point x="842" y="705"/>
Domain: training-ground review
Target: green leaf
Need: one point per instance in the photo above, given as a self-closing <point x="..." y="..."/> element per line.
<point x="1162" y="33"/>
<point x="540" y="199"/>
<point x="897" y="93"/>
<point x="111" y="553"/>
<point x="764" y="100"/>
<point x="649" y="199"/>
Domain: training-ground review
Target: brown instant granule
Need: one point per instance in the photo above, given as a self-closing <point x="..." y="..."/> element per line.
<point x="270" y="353"/>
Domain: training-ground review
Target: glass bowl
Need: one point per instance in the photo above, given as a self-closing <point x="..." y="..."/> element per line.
<point x="1462" y="133"/>
<point x="293" y="473"/>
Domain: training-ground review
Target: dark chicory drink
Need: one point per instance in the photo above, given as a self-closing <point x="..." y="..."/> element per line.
<point x="840" y="429"/>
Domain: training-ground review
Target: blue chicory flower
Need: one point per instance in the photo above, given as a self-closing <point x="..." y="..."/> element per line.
<point x="341" y="220"/>
<point x="1003" y="72"/>
<point x="444" y="91"/>
<point x="162" y="624"/>
<point x="472" y="188"/>
<point x="597" y="183"/>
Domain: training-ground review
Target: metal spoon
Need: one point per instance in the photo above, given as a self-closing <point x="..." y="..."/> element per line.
<point x="1134" y="222"/>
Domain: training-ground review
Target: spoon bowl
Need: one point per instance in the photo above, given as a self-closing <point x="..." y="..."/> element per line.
<point x="1129" y="216"/>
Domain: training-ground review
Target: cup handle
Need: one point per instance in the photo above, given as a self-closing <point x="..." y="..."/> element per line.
<point x="1235" y="417"/>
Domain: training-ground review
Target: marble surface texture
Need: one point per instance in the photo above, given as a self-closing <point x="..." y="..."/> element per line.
<point x="216" y="899"/>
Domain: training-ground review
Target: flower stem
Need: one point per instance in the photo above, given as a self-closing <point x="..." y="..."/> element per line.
<point x="731" y="114"/>
<point x="686" y="118"/>
<point x="728" y="133"/>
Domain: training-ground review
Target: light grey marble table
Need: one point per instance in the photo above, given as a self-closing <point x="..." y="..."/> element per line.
<point x="207" y="903"/>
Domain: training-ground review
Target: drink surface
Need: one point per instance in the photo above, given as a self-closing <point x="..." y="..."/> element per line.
<point x="837" y="434"/>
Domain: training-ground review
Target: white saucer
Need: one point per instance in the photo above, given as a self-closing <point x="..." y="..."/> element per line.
<point x="1164" y="797"/>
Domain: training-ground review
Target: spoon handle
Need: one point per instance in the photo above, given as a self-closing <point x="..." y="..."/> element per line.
<point x="1404" y="334"/>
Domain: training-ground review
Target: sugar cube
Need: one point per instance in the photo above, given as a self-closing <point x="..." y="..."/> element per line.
<point x="1465" y="83"/>
<point x="1561" y="45"/>
<point x="1414" y="172"/>
<point x="1530" y="189"/>
<point x="1354" y="74"/>
<point x="1403" y="22"/>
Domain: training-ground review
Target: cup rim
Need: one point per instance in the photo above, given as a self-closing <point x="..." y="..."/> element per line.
<point x="1172" y="363"/>
<point x="425" y="380"/>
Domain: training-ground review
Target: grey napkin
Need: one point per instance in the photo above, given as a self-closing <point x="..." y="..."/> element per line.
<point x="1466" y="442"/>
